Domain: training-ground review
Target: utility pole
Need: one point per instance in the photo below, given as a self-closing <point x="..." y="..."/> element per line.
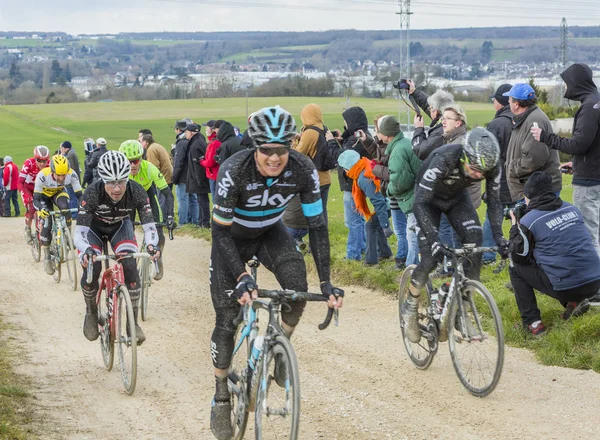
<point x="564" y="36"/>
<point x="403" y="110"/>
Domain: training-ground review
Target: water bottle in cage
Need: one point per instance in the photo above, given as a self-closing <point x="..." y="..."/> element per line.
<point x="441" y="299"/>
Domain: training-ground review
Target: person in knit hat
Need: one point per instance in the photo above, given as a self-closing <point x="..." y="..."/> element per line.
<point x="546" y="245"/>
<point x="366" y="185"/>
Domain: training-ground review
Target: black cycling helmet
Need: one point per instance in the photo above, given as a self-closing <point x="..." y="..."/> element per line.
<point x="271" y="125"/>
<point x="481" y="149"/>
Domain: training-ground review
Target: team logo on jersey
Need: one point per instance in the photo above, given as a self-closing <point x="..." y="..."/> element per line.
<point x="253" y="186"/>
<point x="224" y="184"/>
<point x="276" y="200"/>
<point x="222" y="208"/>
<point x="316" y="183"/>
<point x="449" y="182"/>
<point x="287" y="174"/>
<point x="431" y="174"/>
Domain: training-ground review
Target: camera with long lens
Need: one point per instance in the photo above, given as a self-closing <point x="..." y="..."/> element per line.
<point x="402" y="84"/>
<point x="519" y="210"/>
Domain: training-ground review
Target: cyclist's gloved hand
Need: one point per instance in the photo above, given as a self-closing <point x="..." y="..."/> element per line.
<point x="388" y="232"/>
<point x="43" y="213"/>
<point x="246" y="284"/>
<point x="503" y="246"/>
<point x="328" y="290"/>
<point x="88" y="256"/>
<point x="170" y="223"/>
<point x="437" y="250"/>
<point x="153" y="250"/>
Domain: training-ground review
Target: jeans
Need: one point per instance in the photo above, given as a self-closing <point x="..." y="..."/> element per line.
<point x="445" y="232"/>
<point x="298" y="234"/>
<point x="212" y="184"/>
<point x="204" y="211"/>
<point x="399" y="222"/>
<point x="357" y="239"/>
<point x="72" y="201"/>
<point x="377" y="245"/>
<point x="488" y="238"/>
<point x="188" y="205"/>
<point x="11" y="194"/>
<point x="587" y="200"/>
<point x="324" y="197"/>
<point x="412" y="256"/>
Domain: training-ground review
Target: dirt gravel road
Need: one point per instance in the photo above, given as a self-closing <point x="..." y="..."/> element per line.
<point x="356" y="380"/>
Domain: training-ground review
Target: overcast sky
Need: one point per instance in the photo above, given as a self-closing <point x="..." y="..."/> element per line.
<point x="114" y="16"/>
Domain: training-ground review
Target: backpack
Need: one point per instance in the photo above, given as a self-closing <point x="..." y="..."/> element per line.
<point x="326" y="156"/>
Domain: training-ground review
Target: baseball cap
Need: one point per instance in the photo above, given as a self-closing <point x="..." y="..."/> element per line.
<point x="182" y="124"/>
<point x="210" y="123"/>
<point x="499" y="95"/>
<point x="100" y="141"/>
<point x="521" y="91"/>
<point x="193" y="128"/>
<point x="66" y="144"/>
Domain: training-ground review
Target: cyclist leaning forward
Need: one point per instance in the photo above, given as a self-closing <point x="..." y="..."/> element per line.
<point x="30" y="170"/>
<point x="252" y="190"/>
<point x="50" y="190"/>
<point x="105" y="213"/>
<point x="152" y="180"/>
<point x="442" y="188"/>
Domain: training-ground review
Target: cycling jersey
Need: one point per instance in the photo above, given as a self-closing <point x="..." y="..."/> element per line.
<point x="98" y="211"/>
<point x="148" y="175"/>
<point x="247" y="204"/>
<point x="46" y="184"/>
<point x="442" y="180"/>
<point x="27" y="177"/>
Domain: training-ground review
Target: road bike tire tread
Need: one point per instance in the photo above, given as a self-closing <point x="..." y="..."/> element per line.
<point x="125" y="300"/>
<point x="293" y="372"/>
<point x="70" y="258"/>
<point x="107" y="349"/>
<point x="496" y="317"/>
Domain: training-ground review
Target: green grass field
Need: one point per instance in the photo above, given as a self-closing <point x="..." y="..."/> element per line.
<point x="574" y="344"/>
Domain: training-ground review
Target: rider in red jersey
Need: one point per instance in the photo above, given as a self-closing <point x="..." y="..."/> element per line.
<point x="30" y="170"/>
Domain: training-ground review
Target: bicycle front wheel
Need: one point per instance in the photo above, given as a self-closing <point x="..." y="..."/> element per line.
<point x="126" y="339"/>
<point x="277" y="413"/>
<point x="70" y="257"/>
<point x="476" y="338"/>
<point x="55" y="257"/>
<point x="107" y="346"/>
<point x="421" y="353"/>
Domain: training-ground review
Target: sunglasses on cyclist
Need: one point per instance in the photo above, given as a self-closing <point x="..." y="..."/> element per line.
<point x="42" y="160"/>
<point x="134" y="161"/>
<point x="115" y="183"/>
<point x="269" y="151"/>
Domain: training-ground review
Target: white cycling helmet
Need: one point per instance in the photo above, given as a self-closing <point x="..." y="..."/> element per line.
<point x="112" y="166"/>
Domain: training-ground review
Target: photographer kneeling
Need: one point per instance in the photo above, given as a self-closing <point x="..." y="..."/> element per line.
<point x="552" y="252"/>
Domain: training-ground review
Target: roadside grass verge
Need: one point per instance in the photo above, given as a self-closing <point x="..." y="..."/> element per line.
<point x="15" y="399"/>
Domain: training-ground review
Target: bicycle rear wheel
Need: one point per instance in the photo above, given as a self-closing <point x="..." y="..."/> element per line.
<point x="55" y="257"/>
<point x="107" y="346"/>
<point x="277" y="413"/>
<point x="126" y="339"/>
<point x="70" y="257"/>
<point x="421" y="353"/>
<point x="476" y="339"/>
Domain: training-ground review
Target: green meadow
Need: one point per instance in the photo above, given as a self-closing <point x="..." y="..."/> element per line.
<point x="573" y="344"/>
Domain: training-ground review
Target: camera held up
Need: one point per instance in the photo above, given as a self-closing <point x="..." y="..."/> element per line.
<point x="402" y="84"/>
<point x="519" y="211"/>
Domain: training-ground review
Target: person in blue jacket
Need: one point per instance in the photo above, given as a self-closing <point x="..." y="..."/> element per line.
<point x="552" y="252"/>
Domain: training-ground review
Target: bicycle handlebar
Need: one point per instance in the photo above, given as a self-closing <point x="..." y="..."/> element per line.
<point x="64" y="211"/>
<point x="90" y="273"/>
<point x="136" y="223"/>
<point x="467" y="250"/>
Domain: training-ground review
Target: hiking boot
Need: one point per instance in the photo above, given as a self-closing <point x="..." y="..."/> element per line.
<point x="90" y="323"/>
<point x="280" y="372"/>
<point x="536" y="328"/>
<point x="575" y="309"/>
<point x="595" y="299"/>
<point x="159" y="274"/>
<point x="400" y="263"/>
<point x="220" y="413"/>
<point x="410" y="320"/>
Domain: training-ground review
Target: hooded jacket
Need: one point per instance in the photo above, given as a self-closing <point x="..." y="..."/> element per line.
<point x="501" y="127"/>
<point x="209" y="163"/>
<point x="312" y="115"/>
<point x="584" y="145"/>
<point x="197" y="181"/>
<point x="91" y="163"/>
<point x="180" y="163"/>
<point x="403" y="168"/>
<point x="230" y="143"/>
<point x="525" y="155"/>
<point x="356" y="119"/>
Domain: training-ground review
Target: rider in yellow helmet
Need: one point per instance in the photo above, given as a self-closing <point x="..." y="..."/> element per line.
<point x="49" y="191"/>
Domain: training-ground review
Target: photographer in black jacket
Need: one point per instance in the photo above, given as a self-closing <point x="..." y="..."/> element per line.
<point x="552" y="252"/>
